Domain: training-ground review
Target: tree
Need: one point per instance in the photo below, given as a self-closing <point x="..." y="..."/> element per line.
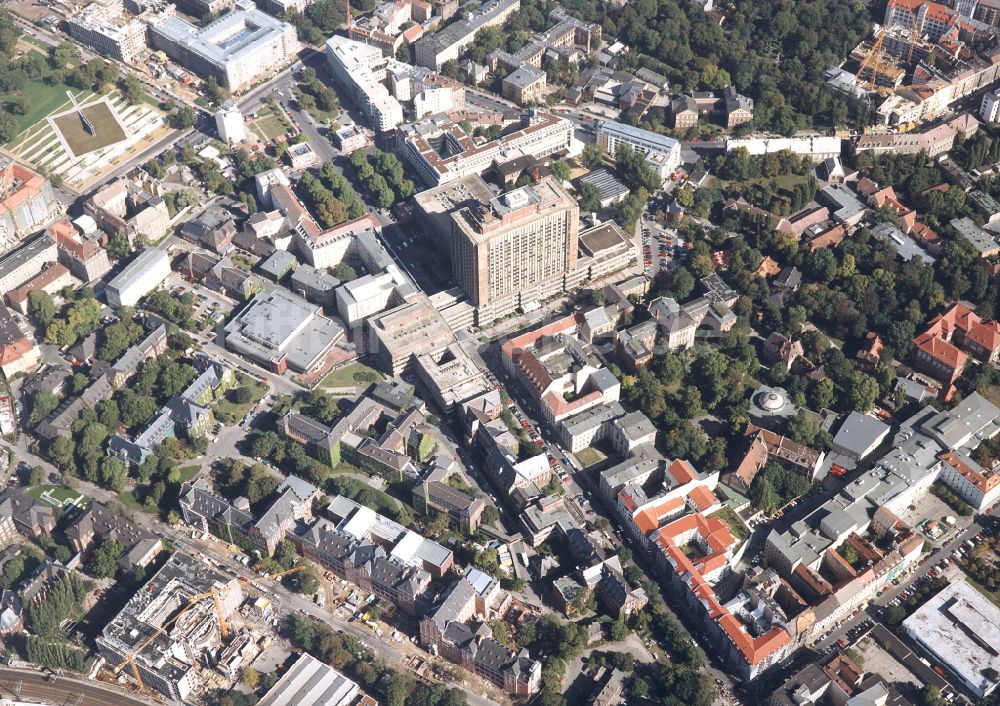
<point x="41" y="308"/>
<point x="104" y="560"/>
<point x="592" y="157"/>
<point x="36" y="475"/>
<point x="251" y="677"/>
<point x="344" y="272"/>
<point x="618" y="631"/>
<point x="560" y="170"/>
<point x="490" y="516"/>
<point x="183" y="118"/>
<point x="132" y="90"/>
<point x="589" y="197"/>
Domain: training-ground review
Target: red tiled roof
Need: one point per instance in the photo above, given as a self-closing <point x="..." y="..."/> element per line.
<point x="940" y="350"/>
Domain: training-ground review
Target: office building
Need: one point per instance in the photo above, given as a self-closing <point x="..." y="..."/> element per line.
<point x="361" y="69"/>
<point x="397" y="336"/>
<point x="26" y="203"/>
<point x="229" y="122"/>
<point x="440" y="151"/>
<point x="167" y="657"/>
<point x="239" y="48"/>
<point x="515" y="249"/>
<point x="140" y="277"/>
<point x="611" y="134"/>
<point x="278" y="331"/>
<point x="435" y="49"/>
<point x="960" y="629"/>
<point x="109" y="30"/>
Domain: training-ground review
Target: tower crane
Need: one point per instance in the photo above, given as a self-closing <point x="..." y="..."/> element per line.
<point x="214" y="593"/>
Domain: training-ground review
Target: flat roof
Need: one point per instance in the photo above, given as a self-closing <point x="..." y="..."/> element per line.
<point x="961" y="628"/>
<point x="603" y="238"/>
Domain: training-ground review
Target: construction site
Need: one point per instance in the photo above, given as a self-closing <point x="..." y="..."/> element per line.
<point x="924" y="57"/>
<point x="189" y="629"/>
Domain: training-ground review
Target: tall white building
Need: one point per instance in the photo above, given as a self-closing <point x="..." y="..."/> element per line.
<point x="990" y="108"/>
<point x="361" y="69"/>
<point x="229" y="122"/>
<point x="105" y="28"/>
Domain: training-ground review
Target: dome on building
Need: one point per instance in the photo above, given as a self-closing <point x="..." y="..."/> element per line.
<point x="771" y="400"/>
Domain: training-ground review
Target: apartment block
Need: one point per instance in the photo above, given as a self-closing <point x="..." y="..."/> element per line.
<point x="109" y="30"/>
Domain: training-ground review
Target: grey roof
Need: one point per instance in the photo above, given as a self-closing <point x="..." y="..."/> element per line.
<point x="524" y="76"/>
<point x="455" y="603"/>
<point x="311" y="683"/>
<point x="25" y="254"/>
<point x="983" y="242"/>
<point x="904" y="245"/>
<point x="858" y="433"/>
<point x="278" y="264"/>
<point x="974" y="418"/>
<point x="309" y="278"/>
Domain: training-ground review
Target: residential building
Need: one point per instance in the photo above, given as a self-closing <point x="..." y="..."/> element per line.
<point x="141" y="276"/>
<point x="98" y="524"/>
<point x="989" y="109"/>
<point x="361" y="68"/>
<point x="985" y="244"/>
<point x="451" y="632"/>
<point x="281" y="331"/>
<point x="440" y="152"/>
<point x="515" y="249"/>
<point x="316" y="286"/>
<point x="50" y="280"/>
<point x="133" y="206"/>
<point x="433" y="50"/>
<point x="817" y="148"/>
<point x="230" y="124"/>
<point x="559" y="370"/>
<point x="238" y="49"/>
<point x="27" y="203"/>
<point x="85" y="259"/>
<point x="166" y="658"/>
<point x="765" y="447"/>
<point x="20" y="265"/>
<point x="107" y="28"/>
<point x="524" y="85"/>
<point x="732" y="108"/>
<point x="19" y="513"/>
<point x="18" y="352"/>
<point x="349" y="138"/>
<point x="435" y="493"/>
<point x="959" y="628"/>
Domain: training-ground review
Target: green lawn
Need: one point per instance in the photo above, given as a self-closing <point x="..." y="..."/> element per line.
<point x="42" y="99"/>
<point x="736" y="527"/>
<point x="57" y="492"/>
<point x="229" y="412"/>
<point x="188" y="472"/>
<point x="128" y="499"/>
<point x="269" y="124"/>
<point x="344" y="377"/>
<point x="589" y="456"/>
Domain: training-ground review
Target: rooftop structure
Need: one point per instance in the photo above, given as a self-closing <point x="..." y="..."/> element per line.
<point x="400" y="335"/>
<point x="279" y="331"/>
<point x="237" y="49"/>
<point x="960" y="629"/>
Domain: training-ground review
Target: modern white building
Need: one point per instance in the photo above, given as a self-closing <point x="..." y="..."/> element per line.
<point x="960" y="629"/>
<point x="611" y="134"/>
<point x="361" y="68"/>
<point x="989" y="110"/>
<point x="240" y="47"/>
<point x="229" y="122"/>
<point x="368" y="295"/>
<point x="139" y="278"/>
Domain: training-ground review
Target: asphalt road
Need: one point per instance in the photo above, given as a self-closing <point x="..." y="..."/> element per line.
<point x="68" y="691"/>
